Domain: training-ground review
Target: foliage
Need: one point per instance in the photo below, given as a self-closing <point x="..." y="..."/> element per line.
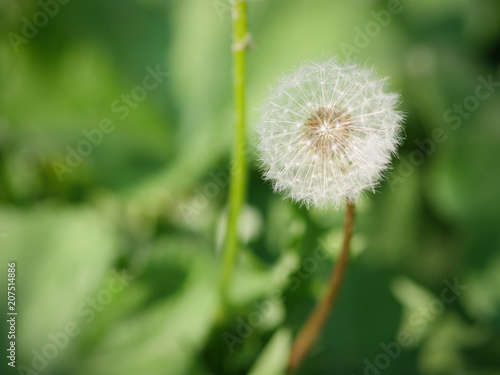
<point x="148" y="201"/>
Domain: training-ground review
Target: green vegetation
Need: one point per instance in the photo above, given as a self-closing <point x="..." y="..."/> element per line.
<point x="116" y="135"/>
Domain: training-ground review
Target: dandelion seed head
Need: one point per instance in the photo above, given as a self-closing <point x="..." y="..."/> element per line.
<point x="327" y="132"/>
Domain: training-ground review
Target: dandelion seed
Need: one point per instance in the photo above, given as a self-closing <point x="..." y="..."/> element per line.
<point x="327" y="132"/>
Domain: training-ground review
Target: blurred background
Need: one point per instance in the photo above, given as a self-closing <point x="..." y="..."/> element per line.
<point x="115" y="138"/>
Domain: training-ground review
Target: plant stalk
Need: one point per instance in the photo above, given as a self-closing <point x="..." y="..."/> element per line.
<point x="316" y="321"/>
<point x="237" y="186"/>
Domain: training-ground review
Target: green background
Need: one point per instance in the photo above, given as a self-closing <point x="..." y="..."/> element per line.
<point x="135" y="204"/>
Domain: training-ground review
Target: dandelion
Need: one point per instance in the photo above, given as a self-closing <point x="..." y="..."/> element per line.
<point x="327" y="132"/>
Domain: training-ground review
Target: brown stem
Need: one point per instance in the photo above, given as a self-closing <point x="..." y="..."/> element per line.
<point x="312" y="328"/>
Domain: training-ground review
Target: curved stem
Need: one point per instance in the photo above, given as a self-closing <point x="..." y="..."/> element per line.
<point x="312" y="328"/>
<point x="237" y="187"/>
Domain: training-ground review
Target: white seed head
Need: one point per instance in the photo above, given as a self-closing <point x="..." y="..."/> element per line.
<point x="327" y="132"/>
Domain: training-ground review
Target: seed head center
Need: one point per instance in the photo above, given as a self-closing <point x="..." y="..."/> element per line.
<point x="326" y="129"/>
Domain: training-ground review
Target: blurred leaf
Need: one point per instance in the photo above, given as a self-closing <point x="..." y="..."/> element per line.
<point x="167" y="335"/>
<point x="274" y="357"/>
<point x="61" y="257"/>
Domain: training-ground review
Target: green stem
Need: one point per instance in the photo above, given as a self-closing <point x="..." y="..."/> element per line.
<point x="237" y="187"/>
